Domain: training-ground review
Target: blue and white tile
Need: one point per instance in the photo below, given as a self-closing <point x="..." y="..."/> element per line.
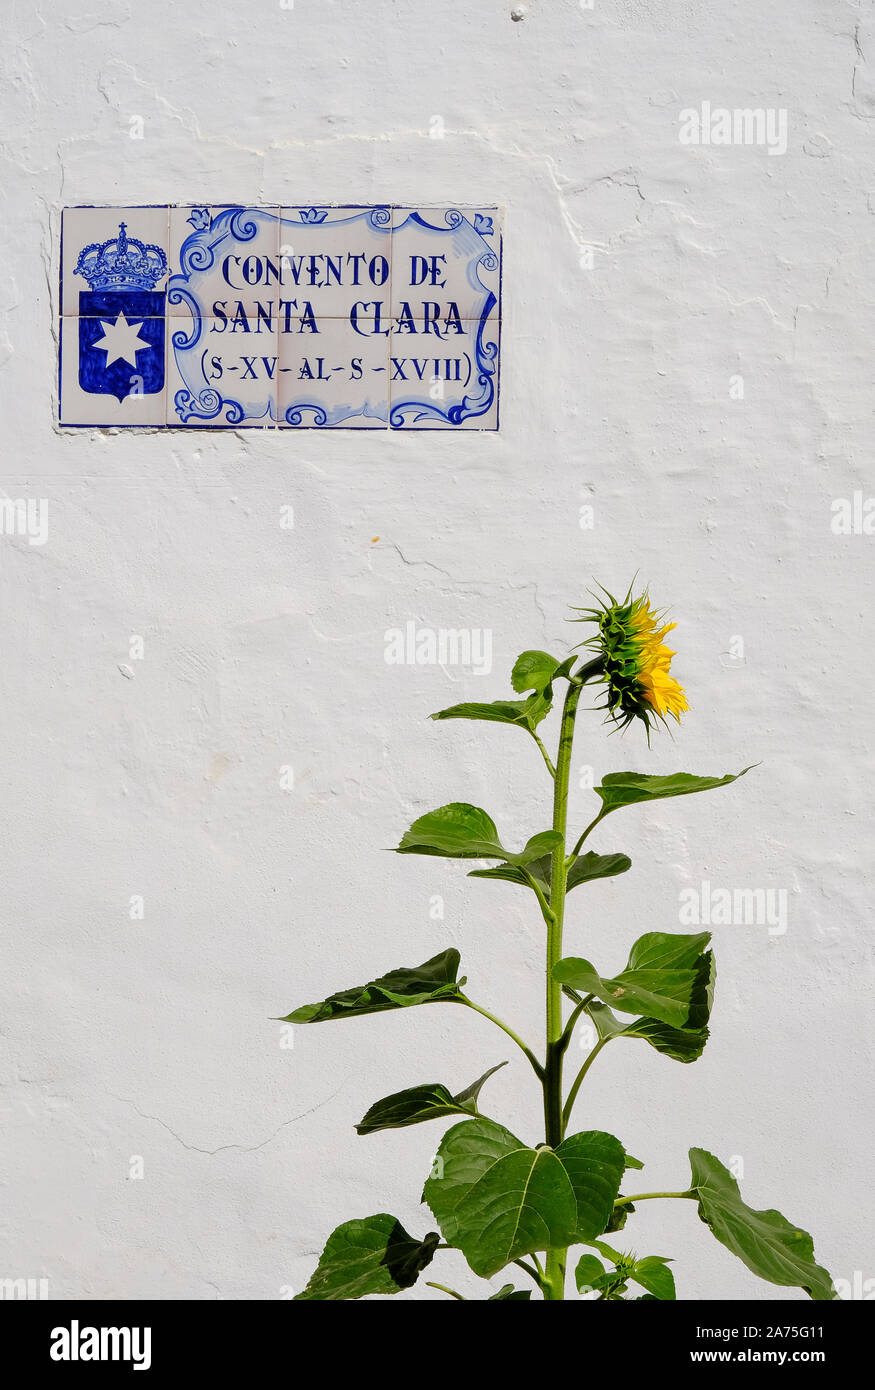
<point x="219" y="376"/>
<point x="336" y="258"/>
<point x="333" y="379"/>
<point x="448" y="259"/>
<point x="92" y="257"/>
<point x="445" y="382"/>
<point x="224" y="261"/>
<point x="112" y="372"/>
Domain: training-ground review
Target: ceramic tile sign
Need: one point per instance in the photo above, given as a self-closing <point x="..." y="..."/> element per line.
<point x="236" y="317"/>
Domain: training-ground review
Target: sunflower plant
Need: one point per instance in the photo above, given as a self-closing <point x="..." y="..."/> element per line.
<point x="508" y="1203"/>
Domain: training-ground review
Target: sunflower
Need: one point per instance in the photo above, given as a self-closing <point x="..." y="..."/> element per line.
<point x="635" y="663"/>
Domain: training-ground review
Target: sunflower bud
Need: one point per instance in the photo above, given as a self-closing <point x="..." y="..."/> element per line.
<point x="635" y="663"/>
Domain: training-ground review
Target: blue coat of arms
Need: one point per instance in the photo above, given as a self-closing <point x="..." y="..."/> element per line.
<point x="121" y="318"/>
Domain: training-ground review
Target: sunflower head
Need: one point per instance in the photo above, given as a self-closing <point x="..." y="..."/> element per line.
<point x="635" y="660"/>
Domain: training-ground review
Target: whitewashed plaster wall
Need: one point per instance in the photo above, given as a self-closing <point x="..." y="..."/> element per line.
<point x="264" y="647"/>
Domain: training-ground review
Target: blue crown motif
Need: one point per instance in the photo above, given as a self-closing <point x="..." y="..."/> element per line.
<point x="122" y="262"/>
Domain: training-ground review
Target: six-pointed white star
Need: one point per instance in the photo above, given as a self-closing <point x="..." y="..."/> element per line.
<point x="121" y="341"/>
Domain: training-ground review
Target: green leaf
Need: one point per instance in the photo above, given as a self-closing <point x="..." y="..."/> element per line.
<point x="471" y="1093"/>
<point x="764" y="1240"/>
<point x="497" y="1199"/>
<point x="525" y="714"/>
<point x="585" y="867"/>
<point x="537" y="847"/>
<point x="649" y="1272"/>
<point x="668" y="977"/>
<point x="589" y="1273"/>
<point x="653" y="1275"/>
<point x="534" y="671"/>
<point x="460" y="831"/>
<point x="433" y="982"/>
<point x="589" y="866"/>
<point x="375" y="1255"/>
<point x="682" y="1044"/>
<point x="626" y="788"/>
<point x="619" y="1217"/>
<point x="595" y="1162"/>
<point x="607" y="1251"/>
<point x="420" y="1103"/>
<point x="513" y="875"/>
<point x="508" y="1291"/>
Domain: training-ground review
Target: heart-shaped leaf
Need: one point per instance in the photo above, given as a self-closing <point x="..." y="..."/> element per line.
<point x="421" y="1103"/>
<point x="497" y="1199"/>
<point x="595" y="1163"/>
<point x="433" y="982"/>
<point x="460" y="831"/>
<point x="668" y="977"/>
<point x="626" y="788"/>
<point x="508" y="1291"/>
<point x="375" y="1255"/>
<point x="764" y="1240"/>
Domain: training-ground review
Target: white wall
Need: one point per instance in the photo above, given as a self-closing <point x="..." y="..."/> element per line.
<point x="265" y="647"/>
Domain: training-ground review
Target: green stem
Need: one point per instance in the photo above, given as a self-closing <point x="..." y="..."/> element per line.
<point x="469" y="1003"/>
<point x="443" y="1288"/>
<point x="578" y="1081"/>
<point x="532" y="1272"/>
<point x="552" y="1081"/>
<point x="592" y="825"/>
<point x="554" y="1282"/>
<point x="578" y="1010"/>
<point x="546" y="910"/>
<point x="558" y="876"/>
<point x="648" y="1196"/>
<point x="544" y="754"/>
